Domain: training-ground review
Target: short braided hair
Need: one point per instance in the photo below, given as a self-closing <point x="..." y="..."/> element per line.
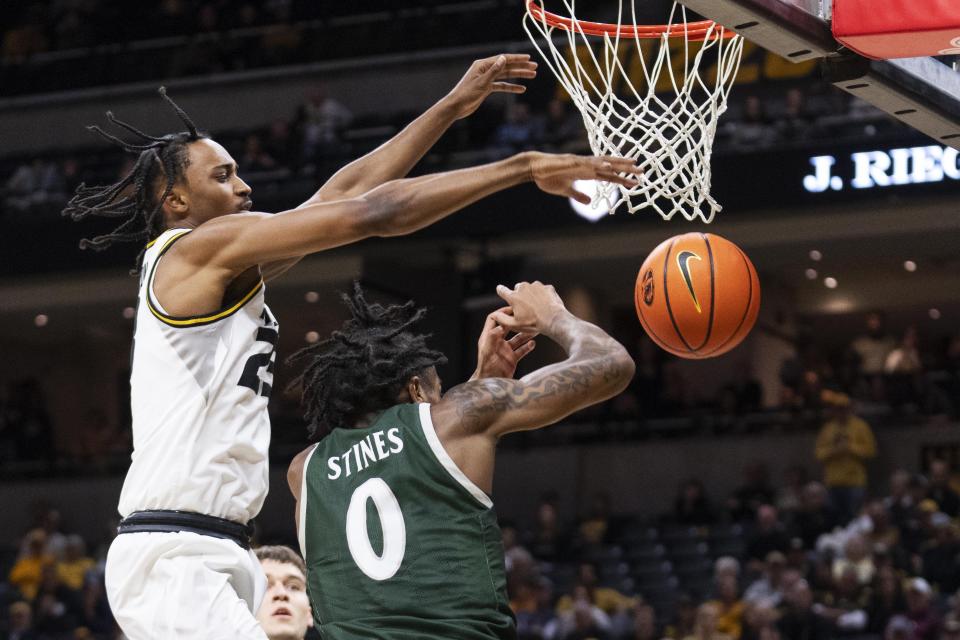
<point x="133" y="197"/>
<point x="363" y="366"/>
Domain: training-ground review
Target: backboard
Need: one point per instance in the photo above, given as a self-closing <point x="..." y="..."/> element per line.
<point x="922" y="92"/>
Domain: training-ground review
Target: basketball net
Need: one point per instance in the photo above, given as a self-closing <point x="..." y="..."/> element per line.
<point x="668" y="122"/>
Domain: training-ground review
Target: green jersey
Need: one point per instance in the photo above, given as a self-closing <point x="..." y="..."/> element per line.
<point x="398" y="542"/>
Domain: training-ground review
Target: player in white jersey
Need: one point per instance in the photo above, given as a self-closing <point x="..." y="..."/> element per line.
<point x="203" y="344"/>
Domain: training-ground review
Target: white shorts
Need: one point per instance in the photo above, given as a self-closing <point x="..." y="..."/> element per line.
<point x="184" y="585"/>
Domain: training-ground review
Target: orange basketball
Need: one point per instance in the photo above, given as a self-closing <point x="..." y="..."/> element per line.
<point x="697" y="295"/>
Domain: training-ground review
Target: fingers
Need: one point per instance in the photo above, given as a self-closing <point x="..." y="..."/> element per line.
<point x="526" y="70"/>
<point x="498" y="64"/>
<point x="507" y="294"/>
<point x="579" y="196"/>
<point x="520" y="340"/>
<point x="508" y="87"/>
<point x="505" y="320"/>
<point x="622" y="165"/>
<point x="524" y="350"/>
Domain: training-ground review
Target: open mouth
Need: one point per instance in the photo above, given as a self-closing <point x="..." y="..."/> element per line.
<point x="283" y="611"/>
<point x="247" y="205"/>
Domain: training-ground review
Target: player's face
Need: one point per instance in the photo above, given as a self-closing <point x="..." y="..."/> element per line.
<point x="285" y="611"/>
<point x="214" y="188"/>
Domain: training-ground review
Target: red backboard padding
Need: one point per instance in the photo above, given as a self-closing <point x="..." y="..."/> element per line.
<point x="884" y="29"/>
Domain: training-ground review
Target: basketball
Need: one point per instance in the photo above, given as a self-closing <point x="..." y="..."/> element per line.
<point x="697" y="295"/>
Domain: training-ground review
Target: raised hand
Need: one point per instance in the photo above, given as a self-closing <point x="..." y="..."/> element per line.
<point x="555" y="173"/>
<point x="497" y="356"/>
<point x="487" y="76"/>
<point x="532" y="307"/>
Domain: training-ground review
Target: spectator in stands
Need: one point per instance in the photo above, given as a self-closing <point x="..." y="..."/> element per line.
<point x="20" y="623"/>
<point x="729" y="607"/>
<point x="726" y="566"/>
<point x="843" y="446"/>
<point x="846" y="605"/>
<point x="940" y="491"/>
<point x="856" y="556"/>
<point x="950" y="629"/>
<point x="816" y="516"/>
<point x="768" y="589"/>
<point x="790" y="495"/>
<point x="940" y="557"/>
<point x="255" y="157"/>
<point x="48" y="519"/>
<point x="705" y="627"/>
<point x="899" y="504"/>
<point x="768" y="535"/>
<point x="285" y="612"/>
<point x="582" y="620"/>
<point x="520" y="131"/>
<point x="799" y="619"/>
<point x="609" y="600"/>
<point x="563" y="130"/>
<point x="904" y="359"/>
<point x="548" y="540"/>
<point x="754" y="130"/>
<point x="534" y="609"/>
<point x="886" y="600"/>
<point x="72" y="569"/>
<point x="282" y="145"/>
<point x="322" y="121"/>
<point x="594" y="529"/>
<point x="57" y="608"/>
<point x="920" y="610"/>
<point x="871" y="350"/>
<point x="795" y="123"/>
<point x="27" y="572"/>
<point x="882" y="534"/>
<point x="755" y="491"/>
<point x="692" y="507"/>
<point x="684" y="620"/>
<point x="645" y="623"/>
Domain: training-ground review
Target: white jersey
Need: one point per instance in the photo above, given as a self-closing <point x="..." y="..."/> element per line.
<point x="199" y="392"/>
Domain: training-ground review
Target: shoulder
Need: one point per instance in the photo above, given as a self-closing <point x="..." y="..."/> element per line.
<point x="473" y="404"/>
<point x="297" y="468"/>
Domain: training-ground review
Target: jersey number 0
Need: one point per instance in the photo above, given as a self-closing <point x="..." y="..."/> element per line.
<point x="383" y="566"/>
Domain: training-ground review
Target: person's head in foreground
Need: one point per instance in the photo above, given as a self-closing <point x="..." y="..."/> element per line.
<point x="285" y="611"/>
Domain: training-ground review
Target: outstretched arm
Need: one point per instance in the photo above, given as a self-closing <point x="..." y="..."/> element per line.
<point x="235" y="243"/>
<point x="396" y="157"/>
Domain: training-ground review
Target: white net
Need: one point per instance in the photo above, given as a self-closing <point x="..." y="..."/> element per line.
<point x="656" y="101"/>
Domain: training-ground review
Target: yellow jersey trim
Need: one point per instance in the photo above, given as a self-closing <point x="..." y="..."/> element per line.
<point x="191" y="321"/>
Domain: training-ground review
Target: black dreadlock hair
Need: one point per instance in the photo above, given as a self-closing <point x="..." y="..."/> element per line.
<point x="363" y="366"/>
<point x="165" y="156"/>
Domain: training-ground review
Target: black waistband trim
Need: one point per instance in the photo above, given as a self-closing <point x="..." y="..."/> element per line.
<point x="172" y="521"/>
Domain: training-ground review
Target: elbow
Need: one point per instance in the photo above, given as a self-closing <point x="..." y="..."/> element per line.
<point x="621" y="369"/>
<point x="383" y="214"/>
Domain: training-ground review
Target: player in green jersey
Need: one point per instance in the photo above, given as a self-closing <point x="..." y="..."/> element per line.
<point x="394" y="513"/>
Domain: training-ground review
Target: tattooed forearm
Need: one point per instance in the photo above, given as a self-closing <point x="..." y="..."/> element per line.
<point x="564" y="387"/>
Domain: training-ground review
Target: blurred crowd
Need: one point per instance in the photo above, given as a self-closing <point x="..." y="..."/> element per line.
<point x="766" y="563"/>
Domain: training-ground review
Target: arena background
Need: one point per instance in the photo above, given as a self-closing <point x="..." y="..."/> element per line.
<point x="296" y="89"/>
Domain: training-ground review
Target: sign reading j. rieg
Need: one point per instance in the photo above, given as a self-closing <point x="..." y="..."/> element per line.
<point x="893" y="167"/>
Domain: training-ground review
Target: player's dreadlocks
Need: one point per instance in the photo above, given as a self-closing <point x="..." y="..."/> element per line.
<point x="364" y="365"/>
<point x="134" y="196"/>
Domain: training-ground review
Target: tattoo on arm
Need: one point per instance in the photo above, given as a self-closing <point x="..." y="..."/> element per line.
<point x="565" y="388"/>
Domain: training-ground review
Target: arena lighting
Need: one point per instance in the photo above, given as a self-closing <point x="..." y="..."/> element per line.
<point x="41" y="320"/>
<point x="830" y="283"/>
<point x="311" y="337"/>
<point x="593" y="211"/>
<point x="811" y="274"/>
<point x="815" y="255"/>
<point x="934" y="314"/>
<point x="128" y="313"/>
<point x="892" y="167"/>
<point x="910" y="266"/>
<point x="311" y="296"/>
